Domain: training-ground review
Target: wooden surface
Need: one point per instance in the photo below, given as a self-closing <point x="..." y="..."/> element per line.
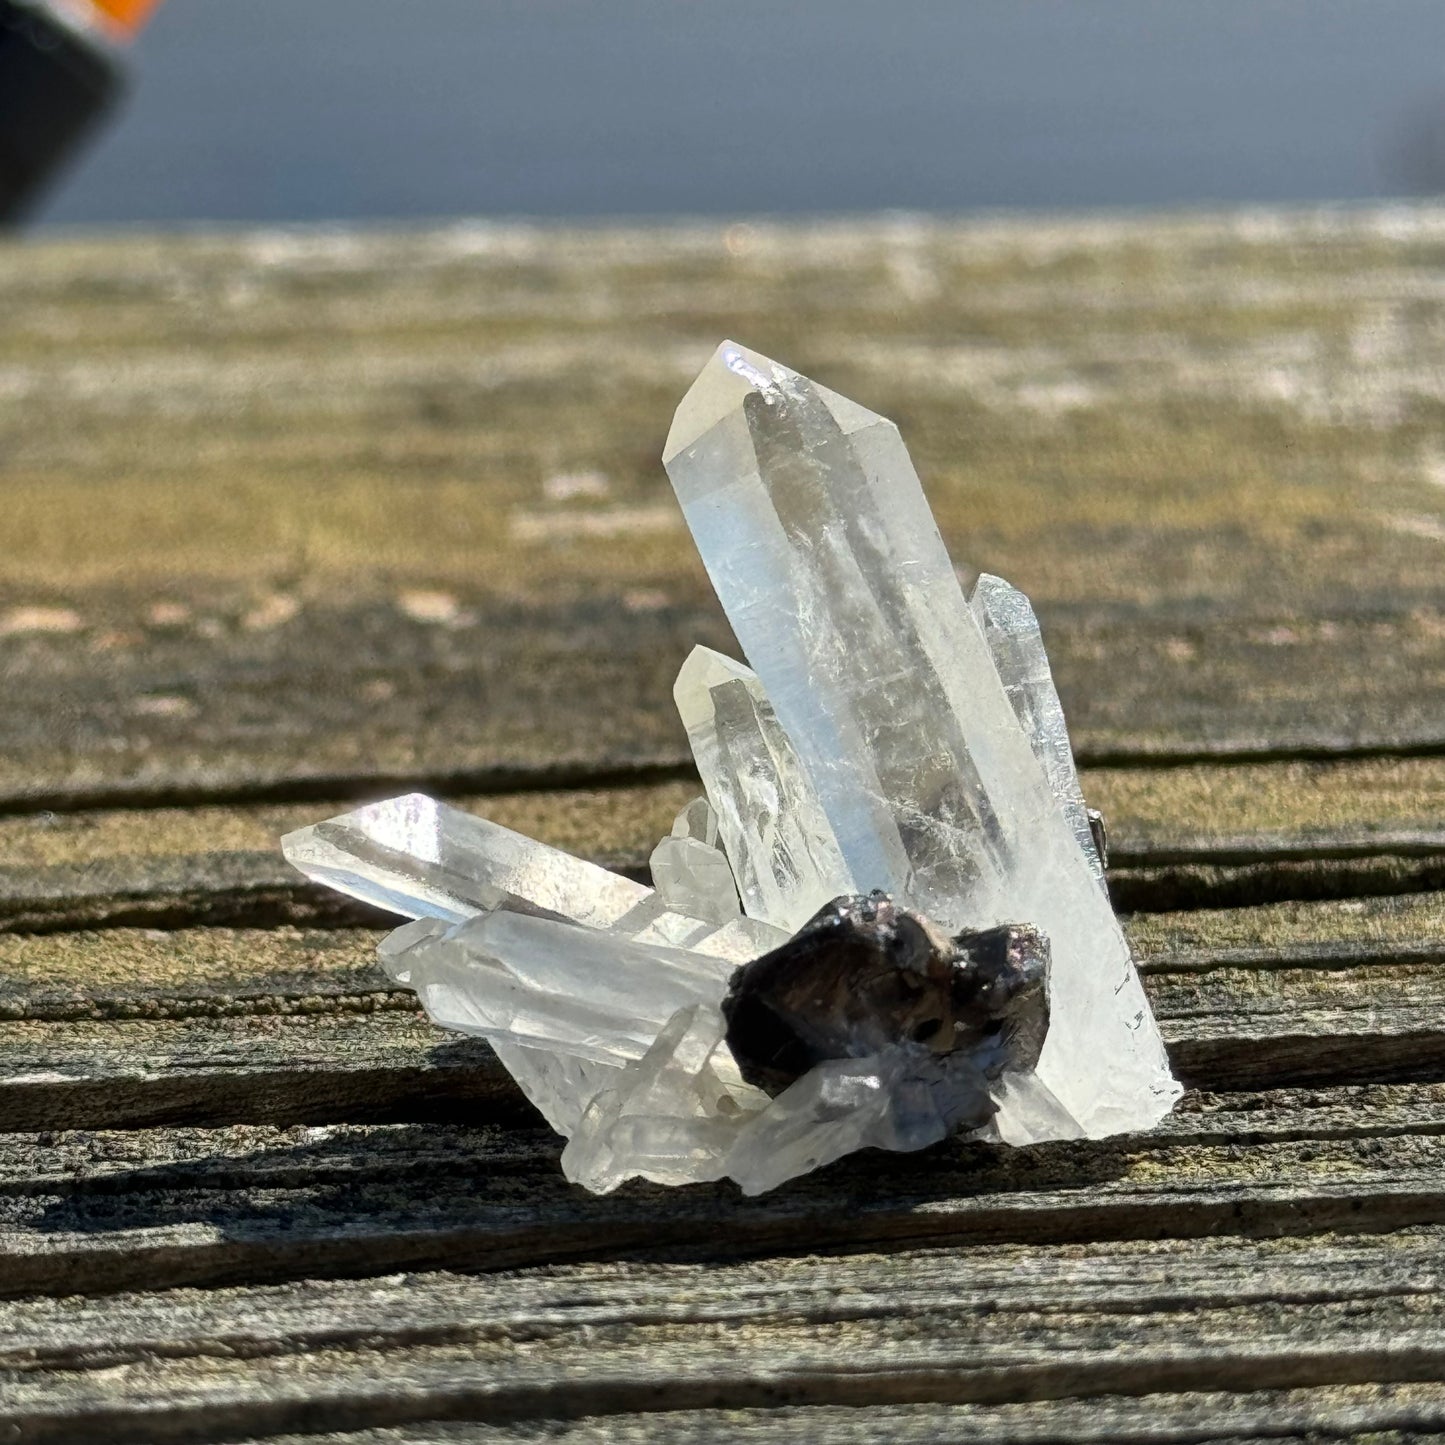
<point x="297" y="519"/>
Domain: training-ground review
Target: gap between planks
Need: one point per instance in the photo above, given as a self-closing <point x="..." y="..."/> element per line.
<point x="551" y="777"/>
<point x="1374" y="1414"/>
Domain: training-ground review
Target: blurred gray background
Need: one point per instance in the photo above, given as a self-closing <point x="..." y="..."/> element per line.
<point x="261" y="110"/>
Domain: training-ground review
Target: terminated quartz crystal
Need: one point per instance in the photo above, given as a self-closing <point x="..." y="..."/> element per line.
<point x="814" y="529"/>
<point x="691" y="871"/>
<point x="770" y="820"/>
<point x="1017" y="646"/>
<point x="885" y="923"/>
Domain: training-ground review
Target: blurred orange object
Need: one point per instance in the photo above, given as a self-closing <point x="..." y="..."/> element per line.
<point x="126" y="15"/>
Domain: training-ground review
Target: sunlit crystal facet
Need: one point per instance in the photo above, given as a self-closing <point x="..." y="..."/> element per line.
<point x="415" y="856"/>
<point x="690" y="869"/>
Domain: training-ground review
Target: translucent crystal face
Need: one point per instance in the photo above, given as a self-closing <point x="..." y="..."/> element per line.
<point x="890" y="734"/>
<point x="770" y="821"/>
<point x="690" y="870"/>
<point x="1016" y="645"/>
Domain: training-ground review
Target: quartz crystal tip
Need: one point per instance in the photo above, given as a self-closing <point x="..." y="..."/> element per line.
<point x="731" y="373"/>
<point x="864" y="975"/>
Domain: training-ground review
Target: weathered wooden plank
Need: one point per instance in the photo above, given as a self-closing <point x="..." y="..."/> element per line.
<point x="223" y="865"/>
<point x="214" y="1025"/>
<point x="341" y="698"/>
<point x="385" y="507"/>
<point x="217" y="1026"/>
<point x="1179" y="837"/>
<point x="1231" y="836"/>
<point x="145" y="973"/>
<point x="338" y="515"/>
<point x="1391" y="1414"/>
<point x="338" y="1066"/>
<point x="105" y="1211"/>
<point x="960" y="1328"/>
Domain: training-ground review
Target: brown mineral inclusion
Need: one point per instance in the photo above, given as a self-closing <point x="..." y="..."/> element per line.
<point x="863" y="973"/>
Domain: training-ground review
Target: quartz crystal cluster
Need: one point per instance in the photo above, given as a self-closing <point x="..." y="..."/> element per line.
<point x="885" y="922"/>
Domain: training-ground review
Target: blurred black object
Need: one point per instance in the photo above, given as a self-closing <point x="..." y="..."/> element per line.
<point x="56" y="82"/>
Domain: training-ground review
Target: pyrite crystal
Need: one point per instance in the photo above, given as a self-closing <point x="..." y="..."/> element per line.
<point x="885" y="923"/>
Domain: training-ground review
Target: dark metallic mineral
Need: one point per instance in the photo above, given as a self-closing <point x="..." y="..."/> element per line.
<point x="863" y="973"/>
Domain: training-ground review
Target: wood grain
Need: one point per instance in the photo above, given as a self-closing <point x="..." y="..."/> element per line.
<point x="958" y="1328"/>
<point x="218" y="1026"/>
<point x="319" y="509"/>
<point x="1187" y="836"/>
<point x="104" y="1211"/>
<point x="1389" y="1414"/>
<point x="314" y="517"/>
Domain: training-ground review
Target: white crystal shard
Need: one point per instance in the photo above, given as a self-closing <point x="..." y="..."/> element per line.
<point x="1017" y="646"/>
<point x="768" y="815"/>
<point x="546" y="985"/>
<point x="883" y="1101"/>
<point x="418" y="857"/>
<point x="815" y="531"/>
<point x="894" y="736"/>
<point x="671" y="1116"/>
<point x="695" y="878"/>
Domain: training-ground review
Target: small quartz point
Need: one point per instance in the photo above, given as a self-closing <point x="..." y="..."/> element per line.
<point x="415" y="856"/>
<point x="903" y="1098"/>
<point x="768" y="813"/>
<point x="815" y="531"/>
<point x="420" y="858"/>
<point x="1017" y="645"/>
<point x="691" y="872"/>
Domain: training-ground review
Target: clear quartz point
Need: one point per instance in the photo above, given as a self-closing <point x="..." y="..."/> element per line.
<point x="889" y="735"/>
<point x="671" y="1116"/>
<point x="1017" y="646"/>
<point x="820" y="544"/>
<point x="416" y="856"/>
<point x="767" y="812"/>
<point x="890" y="1100"/>
<point x="690" y="871"/>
